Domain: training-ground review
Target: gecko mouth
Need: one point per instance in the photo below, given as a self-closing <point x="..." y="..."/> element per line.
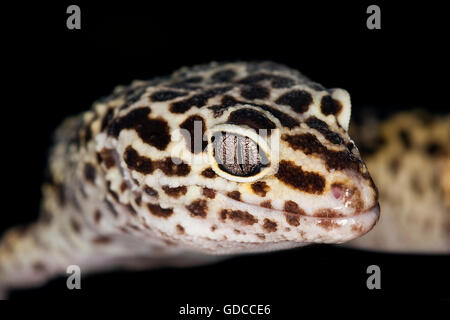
<point x="331" y="228"/>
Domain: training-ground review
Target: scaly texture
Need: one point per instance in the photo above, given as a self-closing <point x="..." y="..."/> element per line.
<point x="215" y="159"/>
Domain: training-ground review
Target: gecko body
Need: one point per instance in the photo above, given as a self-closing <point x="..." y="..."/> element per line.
<point x="216" y="159"/>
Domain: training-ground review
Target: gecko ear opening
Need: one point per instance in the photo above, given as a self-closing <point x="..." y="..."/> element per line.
<point x="343" y="97"/>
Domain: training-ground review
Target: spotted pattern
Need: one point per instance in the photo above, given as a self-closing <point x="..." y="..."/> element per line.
<point x="154" y="132"/>
<point x="144" y="165"/>
<point x="298" y="100"/>
<point x="117" y="162"/>
<point x="328" y="105"/>
<point x="239" y="216"/>
<point x="198" y="208"/>
<point x="296" y="177"/>
<point x="254" y="92"/>
<point x="260" y="188"/>
<point x="254" y="119"/>
<point x="175" y="192"/>
<point x="194" y="139"/>
<point x="334" y="160"/>
<point x="158" y="211"/>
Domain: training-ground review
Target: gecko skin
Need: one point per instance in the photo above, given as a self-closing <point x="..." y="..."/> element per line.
<point x="214" y="160"/>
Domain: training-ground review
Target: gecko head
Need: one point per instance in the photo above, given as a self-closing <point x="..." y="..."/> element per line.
<point x="285" y="186"/>
<point x="240" y="174"/>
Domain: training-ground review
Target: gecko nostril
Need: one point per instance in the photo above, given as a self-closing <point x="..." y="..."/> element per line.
<point x="337" y="190"/>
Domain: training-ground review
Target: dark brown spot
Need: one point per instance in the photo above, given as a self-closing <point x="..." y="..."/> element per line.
<point x="180" y="229"/>
<point x="213" y="228"/>
<point x="39" y="266"/>
<point x="198" y="100"/>
<point x="173" y="167"/>
<point x="328" y="105"/>
<point x="154" y="132"/>
<point x="292" y="219"/>
<point x="156" y="210"/>
<point x="111" y="208"/>
<point x="195" y="129"/>
<point x="107" y="156"/>
<point x="209" y="173"/>
<point x="209" y="193"/>
<point x="75" y="226"/>
<point x="306" y="142"/>
<point x="299" y="100"/>
<point x="102" y="240"/>
<point x="97" y="216"/>
<point x="170" y="166"/>
<point x="227" y="101"/>
<point x="260" y="188"/>
<point x="261" y="236"/>
<point x="123" y="186"/>
<point x="294" y="176"/>
<point x="223" y="75"/>
<point x="285" y="119"/>
<point x="266" y="204"/>
<point x="87" y="133"/>
<point x="198" y="208"/>
<point x="138" y="200"/>
<point x="327" y="224"/>
<point x="337" y="160"/>
<point x="239" y="216"/>
<point x="292" y="207"/>
<point x="150" y="191"/>
<point x="253" y="92"/>
<point x="327" y="213"/>
<point x="269" y="225"/>
<point x="131" y="209"/>
<point x="252" y="118"/>
<point x="235" y="195"/>
<point x="107" y="119"/>
<point x="165" y="95"/>
<point x="322" y="127"/>
<point x="293" y="213"/>
<point x="434" y="148"/>
<point x="175" y="192"/>
<point x="405" y="138"/>
<point x="136" y="162"/>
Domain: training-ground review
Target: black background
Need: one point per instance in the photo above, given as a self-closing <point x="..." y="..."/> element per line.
<point x="52" y="72"/>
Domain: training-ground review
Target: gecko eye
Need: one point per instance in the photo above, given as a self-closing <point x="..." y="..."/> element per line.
<point x="238" y="155"/>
